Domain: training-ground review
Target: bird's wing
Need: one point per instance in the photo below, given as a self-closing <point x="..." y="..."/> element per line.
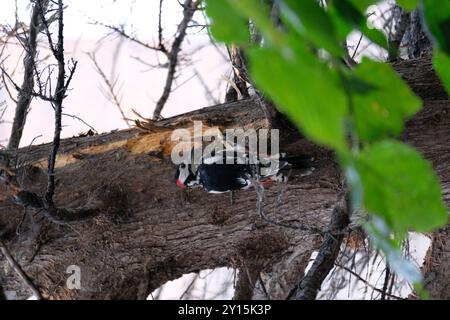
<point x="226" y="157"/>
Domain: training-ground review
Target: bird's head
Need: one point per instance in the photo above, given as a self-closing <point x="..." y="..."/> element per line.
<point x="185" y="177"/>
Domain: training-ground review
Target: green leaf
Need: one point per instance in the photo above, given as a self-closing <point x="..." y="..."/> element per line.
<point x="382" y="101"/>
<point x="441" y="63"/>
<point x="362" y="5"/>
<point x="351" y="11"/>
<point x="408" y="5"/>
<point x="312" y="22"/>
<point x="306" y="90"/>
<point x="228" y="24"/>
<point x="341" y="26"/>
<point x="401" y="187"/>
<point x="437" y="16"/>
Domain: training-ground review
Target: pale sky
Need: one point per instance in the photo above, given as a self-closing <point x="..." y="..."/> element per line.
<point x="141" y="87"/>
<point x="143" y="14"/>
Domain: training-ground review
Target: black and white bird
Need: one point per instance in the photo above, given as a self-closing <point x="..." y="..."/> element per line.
<point x="216" y="176"/>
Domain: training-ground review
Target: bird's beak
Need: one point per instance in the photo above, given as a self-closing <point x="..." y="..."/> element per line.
<point x="181" y="184"/>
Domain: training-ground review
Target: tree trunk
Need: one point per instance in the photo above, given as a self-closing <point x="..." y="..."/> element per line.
<point x="164" y="232"/>
<point x="437" y="265"/>
<point x="415" y="39"/>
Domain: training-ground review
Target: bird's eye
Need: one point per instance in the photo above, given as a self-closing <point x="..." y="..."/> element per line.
<point x="182" y="166"/>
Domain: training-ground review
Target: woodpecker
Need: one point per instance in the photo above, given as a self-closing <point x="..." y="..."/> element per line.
<point x="216" y="176"/>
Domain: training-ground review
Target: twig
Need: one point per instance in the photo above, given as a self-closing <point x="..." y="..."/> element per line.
<point x="266" y="293"/>
<point x="60" y="94"/>
<point x="81" y="120"/>
<point x="189" y="287"/>
<point x="160" y="29"/>
<point x="386" y="283"/>
<point x="208" y="92"/>
<point x="113" y="95"/>
<point x="7" y="88"/>
<point x="17" y="268"/>
<point x="367" y="283"/>
<point x="193" y="76"/>
<point x="357" y="46"/>
<point x="121" y="32"/>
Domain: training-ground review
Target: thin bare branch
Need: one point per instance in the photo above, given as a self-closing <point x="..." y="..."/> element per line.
<point x="121" y="32"/>
<point x="189" y="287"/>
<point x="207" y="90"/>
<point x="81" y="120"/>
<point x="161" y="45"/>
<point x="367" y="283"/>
<point x="18" y="269"/>
<point x="357" y="46"/>
<point x="25" y="91"/>
<point x="56" y="98"/>
<point x="387" y="276"/>
<point x="189" y="8"/>
<point x="113" y="95"/>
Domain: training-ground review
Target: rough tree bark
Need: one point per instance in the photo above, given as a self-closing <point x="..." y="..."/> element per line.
<point x="430" y="132"/>
<point x="165" y="232"/>
<point x="415" y="39"/>
<point x="437" y="265"/>
<point x="309" y="286"/>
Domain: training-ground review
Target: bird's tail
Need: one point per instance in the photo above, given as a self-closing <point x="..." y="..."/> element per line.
<point x="303" y="162"/>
